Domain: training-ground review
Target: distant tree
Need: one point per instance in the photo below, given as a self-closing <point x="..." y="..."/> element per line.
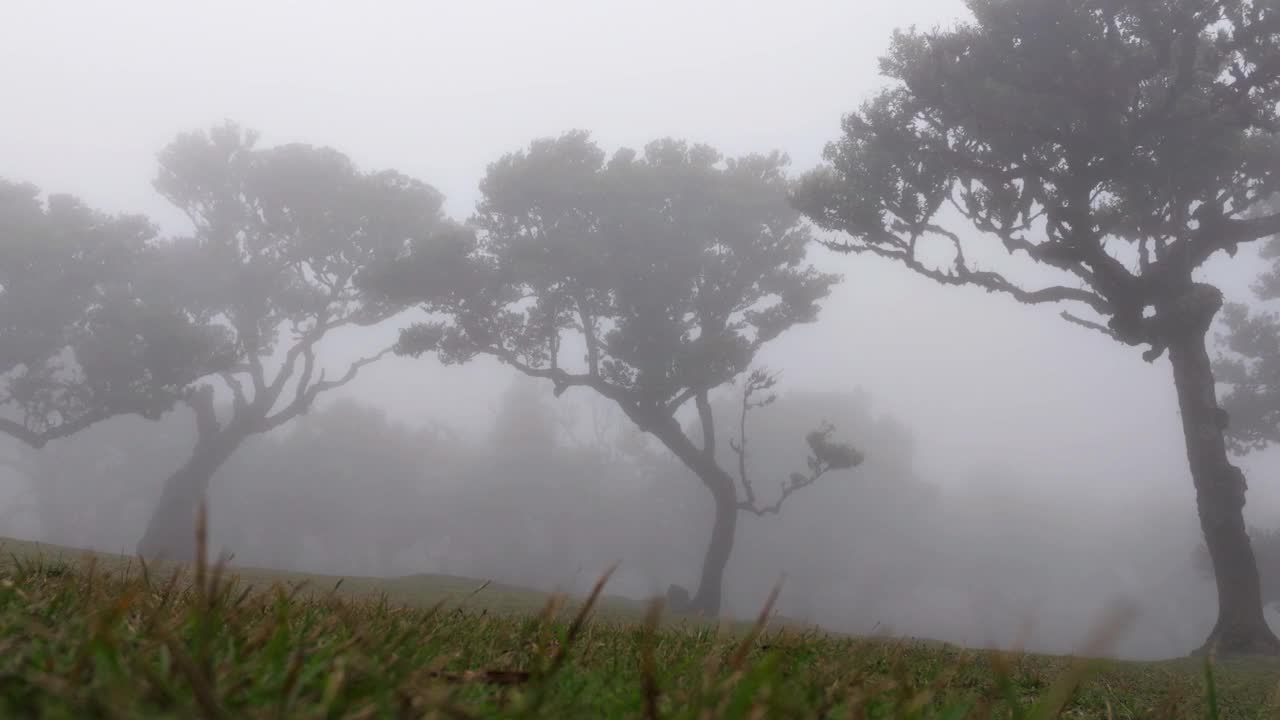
<point x="1250" y="364"/>
<point x="652" y="279"/>
<point x="345" y="477"/>
<point x="280" y="234"/>
<point x="526" y="426"/>
<point x="1114" y="145"/>
<point x="80" y="338"/>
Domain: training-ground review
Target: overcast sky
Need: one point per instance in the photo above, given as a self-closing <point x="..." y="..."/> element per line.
<point x="92" y="90"/>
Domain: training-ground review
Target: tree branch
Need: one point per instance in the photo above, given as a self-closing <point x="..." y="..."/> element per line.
<point x="960" y="275"/>
<point x="708" y="421"/>
<point x="797" y="482"/>
<point x="1090" y="325"/>
<point x="303" y="400"/>
<point x="38" y="439"/>
<point x="757" y="381"/>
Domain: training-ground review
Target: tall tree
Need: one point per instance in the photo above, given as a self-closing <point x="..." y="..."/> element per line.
<point x="80" y="339"/>
<point x="1112" y="146"/>
<point x="650" y="278"/>
<point x="280" y="234"/>
<point x="1266" y="545"/>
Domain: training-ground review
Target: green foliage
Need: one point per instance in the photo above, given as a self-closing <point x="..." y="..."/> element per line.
<point x="830" y="454"/>
<point x="664" y="271"/>
<point x="280" y="235"/>
<point x="1115" y="146"/>
<point x="85" y="339"/>
<point x="81" y="641"/>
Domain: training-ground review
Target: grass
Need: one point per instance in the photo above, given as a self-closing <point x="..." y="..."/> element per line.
<point x="112" y="638"/>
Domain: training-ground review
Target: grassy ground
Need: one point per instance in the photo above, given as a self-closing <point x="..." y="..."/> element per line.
<point x="114" y="639"/>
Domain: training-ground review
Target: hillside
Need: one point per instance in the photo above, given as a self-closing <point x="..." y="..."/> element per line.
<point x="87" y="635"/>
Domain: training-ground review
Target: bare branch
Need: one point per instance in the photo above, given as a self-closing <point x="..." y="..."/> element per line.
<point x="797" y="482"/>
<point x="990" y="281"/>
<point x="38" y="439"/>
<point x="1090" y="325"/>
<point x="757" y="381"/>
<point x="824" y="457"/>
<point x="708" y="421"/>
<point x="306" y="396"/>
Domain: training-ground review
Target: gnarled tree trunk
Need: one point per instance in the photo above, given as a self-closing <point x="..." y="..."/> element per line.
<point x="171" y="532"/>
<point x="707" y="599"/>
<point x="1241" y="628"/>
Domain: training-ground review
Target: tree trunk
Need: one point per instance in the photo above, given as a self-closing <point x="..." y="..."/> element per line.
<point x="171" y="532"/>
<point x="707" y="599"/>
<point x="1241" y="628"/>
<point x="723" y="489"/>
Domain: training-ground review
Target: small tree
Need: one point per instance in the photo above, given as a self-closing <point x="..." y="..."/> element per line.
<point x="1116" y="145"/>
<point x="651" y="279"/>
<point x="279" y="236"/>
<point x="80" y="340"/>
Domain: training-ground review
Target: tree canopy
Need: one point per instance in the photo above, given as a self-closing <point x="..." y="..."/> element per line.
<point x="649" y="277"/>
<point x="1121" y="143"/>
<point x="280" y="234"/>
<point x="85" y="336"/>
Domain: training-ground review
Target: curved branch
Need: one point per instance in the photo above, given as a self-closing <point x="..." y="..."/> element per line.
<point x="990" y="281"/>
<point x="797" y="482"/>
<point x="307" y="394"/>
<point x="38" y="439"/>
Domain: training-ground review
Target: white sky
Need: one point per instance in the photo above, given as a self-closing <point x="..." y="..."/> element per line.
<point x="92" y="90"/>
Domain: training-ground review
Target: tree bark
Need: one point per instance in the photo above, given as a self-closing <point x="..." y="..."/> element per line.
<point x="707" y="599"/>
<point x="170" y="533"/>
<point x="1241" y="628"/>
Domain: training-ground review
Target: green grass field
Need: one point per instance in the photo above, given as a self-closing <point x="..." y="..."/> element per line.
<point x="102" y="636"/>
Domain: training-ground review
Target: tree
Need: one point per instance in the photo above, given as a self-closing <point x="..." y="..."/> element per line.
<point x="1250" y="365"/>
<point x="650" y="278"/>
<point x="280" y="234"/>
<point x="80" y="339"/>
<point x="1266" y="544"/>
<point x="1114" y="146"/>
<point x="834" y="545"/>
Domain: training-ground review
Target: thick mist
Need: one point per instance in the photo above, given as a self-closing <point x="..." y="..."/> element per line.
<point x="1020" y="471"/>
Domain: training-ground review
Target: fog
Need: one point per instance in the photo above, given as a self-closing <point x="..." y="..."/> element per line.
<point x="1019" y="469"/>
